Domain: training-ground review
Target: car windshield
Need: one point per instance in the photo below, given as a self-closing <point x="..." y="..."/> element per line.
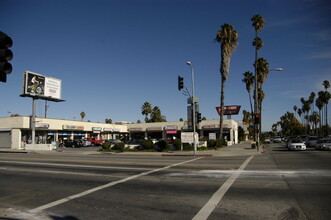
<point x="297" y="141"/>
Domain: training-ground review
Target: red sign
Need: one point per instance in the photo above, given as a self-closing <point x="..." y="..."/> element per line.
<point x="229" y="110"/>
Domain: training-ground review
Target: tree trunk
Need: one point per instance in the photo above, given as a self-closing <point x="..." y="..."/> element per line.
<point x="222" y="106"/>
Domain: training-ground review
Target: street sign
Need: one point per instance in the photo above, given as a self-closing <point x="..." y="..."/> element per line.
<point x="229" y="110"/>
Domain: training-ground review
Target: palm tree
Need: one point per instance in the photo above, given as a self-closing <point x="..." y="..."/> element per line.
<point x="249" y="80"/>
<point x="228" y="39"/>
<point x="258" y="24"/>
<point x="326" y="85"/>
<point x="82" y="115"/>
<point x="326" y="99"/>
<point x="300" y="114"/>
<point x="295" y="108"/>
<point x="146" y="109"/>
<point x="319" y="104"/>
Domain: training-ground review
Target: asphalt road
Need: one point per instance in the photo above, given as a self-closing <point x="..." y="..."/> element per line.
<point x="277" y="184"/>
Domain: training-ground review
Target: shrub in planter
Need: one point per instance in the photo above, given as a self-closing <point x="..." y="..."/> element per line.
<point x="119" y="146"/>
<point x="161" y="145"/>
<point x="106" y="145"/>
<point x="211" y="143"/>
<point x="177" y="143"/>
<point x="147" y="144"/>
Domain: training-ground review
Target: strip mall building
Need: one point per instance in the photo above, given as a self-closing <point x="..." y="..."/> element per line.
<point x="15" y="132"/>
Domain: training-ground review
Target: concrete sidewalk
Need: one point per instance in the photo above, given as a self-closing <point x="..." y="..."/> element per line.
<point x="241" y="149"/>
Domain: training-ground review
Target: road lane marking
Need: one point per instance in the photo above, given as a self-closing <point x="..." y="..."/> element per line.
<point x="60" y="201"/>
<point x="74" y="165"/>
<point x="208" y="208"/>
<point x="104" y="162"/>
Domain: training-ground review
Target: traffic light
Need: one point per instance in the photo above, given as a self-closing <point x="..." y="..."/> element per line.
<point x="5" y="56"/>
<point x="180" y="83"/>
<point x="199" y="117"/>
<point x="257" y="119"/>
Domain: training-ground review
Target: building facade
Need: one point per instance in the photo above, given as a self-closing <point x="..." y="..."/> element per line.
<point x="15" y="132"/>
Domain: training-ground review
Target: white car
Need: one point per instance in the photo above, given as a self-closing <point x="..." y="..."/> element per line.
<point x="296" y="144"/>
<point x="277" y="140"/>
<point x="323" y="144"/>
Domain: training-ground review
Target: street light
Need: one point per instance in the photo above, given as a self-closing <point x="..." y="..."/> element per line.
<point x="277" y="69"/>
<point x="256" y="109"/>
<point x="193" y="106"/>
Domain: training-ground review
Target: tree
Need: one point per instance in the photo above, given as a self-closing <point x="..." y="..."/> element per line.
<point x="258" y="24"/>
<point x="156" y="115"/>
<point x="82" y="115"/>
<point x="326" y="99"/>
<point x="249" y="80"/>
<point x="295" y="108"/>
<point x="227" y="37"/>
<point x="108" y="121"/>
<point x="290" y="125"/>
<point x="146" y="109"/>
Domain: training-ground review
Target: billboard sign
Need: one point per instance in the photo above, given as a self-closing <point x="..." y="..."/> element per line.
<point x="40" y="86"/>
<point x="229" y="110"/>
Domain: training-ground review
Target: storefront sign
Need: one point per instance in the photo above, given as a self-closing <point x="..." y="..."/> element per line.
<point x="72" y="127"/>
<point x="187" y="137"/>
<point x="171" y="127"/>
<point x="42" y="125"/>
<point x="212" y="136"/>
<point x="171" y="131"/>
<point x="154" y="129"/>
<point x="96" y="129"/>
<point x="135" y="129"/>
<point x="112" y="129"/>
<point x="214" y="126"/>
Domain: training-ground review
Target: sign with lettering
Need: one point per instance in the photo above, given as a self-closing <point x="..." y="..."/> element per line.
<point x="229" y="110"/>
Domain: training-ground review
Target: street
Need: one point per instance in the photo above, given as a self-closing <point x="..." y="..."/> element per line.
<point x="275" y="184"/>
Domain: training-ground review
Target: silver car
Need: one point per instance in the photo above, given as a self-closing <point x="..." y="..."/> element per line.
<point x="323" y="144"/>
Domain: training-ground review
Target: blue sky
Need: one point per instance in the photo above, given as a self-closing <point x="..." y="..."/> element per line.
<point x="112" y="56"/>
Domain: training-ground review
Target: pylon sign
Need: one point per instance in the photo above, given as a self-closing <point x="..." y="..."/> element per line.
<point x="229" y="110"/>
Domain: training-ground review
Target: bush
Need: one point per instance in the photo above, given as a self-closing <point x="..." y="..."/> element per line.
<point x="106" y="145"/>
<point x="119" y="146"/>
<point x="161" y="145"/>
<point x="216" y="143"/>
<point x="177" y="143"/>
<point x="147" y="144"/>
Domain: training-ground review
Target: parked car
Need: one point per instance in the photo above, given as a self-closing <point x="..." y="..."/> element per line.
<point x="86" y="143"/>
<point x="311" y="141"/>
<point x="323" y="144"/>
<point x="267" y="141"/>
<point x="277" y="140"/>
<point x="297" y="144"/>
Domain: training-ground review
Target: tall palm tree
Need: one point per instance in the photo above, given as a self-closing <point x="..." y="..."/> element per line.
<point x="146" y="109"/>
<point x="319" y="104"/>
<point x="326" y="84"/>
<point x="326" y="99"/>
<point x="82" y="115"/>
<point x="258" y="24"/>
<point x="227" y="37"/>
<point x="249" y="80"/>
<point x="300" y="114"/>
<point x="295" y="108"/>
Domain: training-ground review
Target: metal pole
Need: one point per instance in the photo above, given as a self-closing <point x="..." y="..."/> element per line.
<point x="193" y="108"/>
<point x="33" y="120"/>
